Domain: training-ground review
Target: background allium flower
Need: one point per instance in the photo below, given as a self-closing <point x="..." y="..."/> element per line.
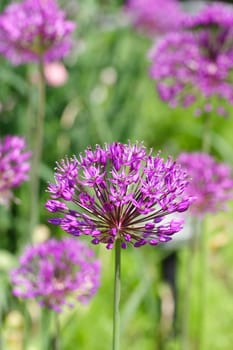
<point x="214" y="14"/>
<point x="120" y="192"/>
<point x="155" y="17"/>
<point x="212" y="182"/>
<point x="57" y="273"/>
<point x="34" y="28"/>
<point x="196" y="65"/>
<point x="14" y="165"/>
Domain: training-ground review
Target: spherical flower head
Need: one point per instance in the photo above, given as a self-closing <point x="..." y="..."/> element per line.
<point x="216" y="14"/>
<point x="57" y="273"/>
<point x="119" y="192"/>
<point x="211" y="185"/>
<point x="151" y="16"/>
<point x="34" y="29"/>
<point x="196" y="65"/>
<point x="14" y="166"/>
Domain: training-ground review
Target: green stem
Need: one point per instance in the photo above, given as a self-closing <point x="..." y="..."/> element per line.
<point x="203" y="273"/>
<point x="45" y="339"/>
<point x="57" y="343"/>
<point x="206" y="147"/>
<point x="1" y="328"/>
<point x="117" y="293"/>
<point x="27" y="327"/>
<point x="37" y="141"/>
<point x="206" y="138"/>
<point x="189" y="282"/>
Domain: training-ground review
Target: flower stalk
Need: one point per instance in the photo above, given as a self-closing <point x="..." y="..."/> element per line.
<point x="190" y="266"/>
<point x="206" y="138"/>
<point x="37" y="141"/>
<point x="117" y="293"/>
<point x="203" y="251"/>
<point x="203" y="277"/>
<point x="57" y="340"/>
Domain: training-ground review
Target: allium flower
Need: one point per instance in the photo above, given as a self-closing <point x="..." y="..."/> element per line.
<point x="34" y="28"/>
<point x="212" y="182"/>
<point x="120" y="192"/>
<point x="14" y="165"/>
<point x="196" y="65"/>
<point x="155" y="17"/>
<point x="57" y="273"/>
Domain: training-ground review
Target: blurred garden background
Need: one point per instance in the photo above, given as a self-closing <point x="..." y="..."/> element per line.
<point x="108" y="95"/>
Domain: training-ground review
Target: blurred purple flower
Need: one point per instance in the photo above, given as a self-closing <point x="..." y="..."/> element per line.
<point x="216" y="14"/>
<point x="57" y="273"/>
<point x="14" y="166"/>
<point x="32" y="29"/>
<point x="155" y="17"/>
<point x="212" y="182"/>
<point x="196" y="65"/>
<point x="121" y="192"/>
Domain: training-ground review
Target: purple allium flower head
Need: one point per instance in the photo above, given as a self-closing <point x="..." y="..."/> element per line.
<point x="120" y="192"/>
<point x="196" y="65"/>
<point x="212" y="182"/>
<point x="14" y="165"/>
<point x="215" y="14"/>
<point x="34" y="28"/>
<point x="155" y="17"/>
<point x="57" y="273"/>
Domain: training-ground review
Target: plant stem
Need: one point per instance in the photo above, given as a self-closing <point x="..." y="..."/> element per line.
<point x="37" y="142"/>
<point x="27" y="327"/>
<point x="45" y="339"/>
<point x="189" y="274"/>
<point x="1" y="326"/>
<point x="203" y="256"/>
<point x="57" y="343"/>
<point x="206" y="138"/>
<point x="117" y="292"/>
